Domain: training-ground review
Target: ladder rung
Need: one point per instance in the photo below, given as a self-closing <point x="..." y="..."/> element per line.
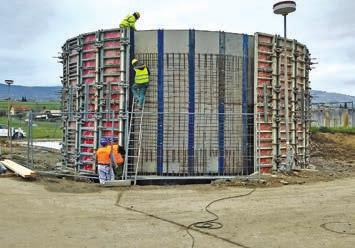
<point x="86" y="145"/>
<point x="86" y="153"/>
<point x="88" y="162"/>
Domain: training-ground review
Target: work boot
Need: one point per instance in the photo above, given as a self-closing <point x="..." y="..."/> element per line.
<point x="118" y="172"/>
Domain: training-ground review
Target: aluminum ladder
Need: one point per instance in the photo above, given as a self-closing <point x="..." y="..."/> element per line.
<point x="134" y="141"/>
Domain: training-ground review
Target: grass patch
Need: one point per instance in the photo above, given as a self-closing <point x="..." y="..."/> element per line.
<point x="33" y="105"/>
<point x="40" y="129"/>
<point x="315" y="130"/>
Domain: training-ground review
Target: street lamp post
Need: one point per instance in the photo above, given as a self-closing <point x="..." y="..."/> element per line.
<point x="9" y="133"/>
<point x="284" y="8"/>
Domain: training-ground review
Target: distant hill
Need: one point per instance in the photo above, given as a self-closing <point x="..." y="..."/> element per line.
<point x="32" y="93"/>
<point x="326" y="97"/>
<point x="52" y="93"/>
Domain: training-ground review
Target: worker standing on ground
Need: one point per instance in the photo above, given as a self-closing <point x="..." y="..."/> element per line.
<point x="141" y="81"/>
<point x="130" y="21"/>
<point x="116" y="157"/>
<point x="104" y="162"/>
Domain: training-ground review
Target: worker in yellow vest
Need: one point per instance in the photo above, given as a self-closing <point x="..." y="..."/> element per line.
<point x="141" y="81"/>
<point x="130" y="21"/>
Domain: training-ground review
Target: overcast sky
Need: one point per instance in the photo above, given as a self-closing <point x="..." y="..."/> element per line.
<point x="33" y="31"/>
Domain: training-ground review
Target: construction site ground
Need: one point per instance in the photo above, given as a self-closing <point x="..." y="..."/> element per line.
<point x="309" y="208"/>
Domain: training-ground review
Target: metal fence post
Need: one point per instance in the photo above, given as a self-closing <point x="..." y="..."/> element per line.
<point x="30" y="141"/>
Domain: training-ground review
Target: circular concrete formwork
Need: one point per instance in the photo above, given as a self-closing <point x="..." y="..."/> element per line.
<point x="205" y="106"/>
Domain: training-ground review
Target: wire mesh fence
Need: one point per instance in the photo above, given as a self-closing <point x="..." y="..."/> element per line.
<point x="34" y="140"/>
<point x="222" y="144"/>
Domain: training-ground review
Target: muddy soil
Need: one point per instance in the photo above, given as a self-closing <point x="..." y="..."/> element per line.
<point x="333" y="154"/>
<point x="313" y="208"/>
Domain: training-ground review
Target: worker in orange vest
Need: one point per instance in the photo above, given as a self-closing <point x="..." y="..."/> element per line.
<point x="116" y="156"/>
<point x="104" y="162"/>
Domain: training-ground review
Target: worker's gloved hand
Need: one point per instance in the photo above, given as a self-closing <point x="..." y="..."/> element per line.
<point x="121" y="150"/>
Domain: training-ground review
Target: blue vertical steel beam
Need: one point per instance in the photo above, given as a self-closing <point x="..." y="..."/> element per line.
<point x="191" y="127"/>
<point x="131" y="43"/>
<point x="221" y="102"/>
<point x="245" y="99"/>
<point x="160" y="102"/>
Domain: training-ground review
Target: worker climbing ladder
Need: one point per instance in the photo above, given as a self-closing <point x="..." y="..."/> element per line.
<point x="134" y="141"/>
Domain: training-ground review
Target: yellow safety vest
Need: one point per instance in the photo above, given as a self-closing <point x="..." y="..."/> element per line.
<point x="142" y="76"/>
<point x="128" y="22"/>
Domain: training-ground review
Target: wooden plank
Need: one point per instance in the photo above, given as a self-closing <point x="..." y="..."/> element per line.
<point x="117" y="183"/>
<point x="18" y="169"/>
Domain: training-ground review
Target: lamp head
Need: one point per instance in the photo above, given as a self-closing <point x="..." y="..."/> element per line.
<point x="284" y="7"/>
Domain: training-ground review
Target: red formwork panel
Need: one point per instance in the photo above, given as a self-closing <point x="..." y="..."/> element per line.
<point x="262" y="92"/>
<point x="270" y="69"/>
<point x="95" y="58"/>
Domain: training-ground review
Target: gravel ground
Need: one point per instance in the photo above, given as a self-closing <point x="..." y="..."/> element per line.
<point x="310" y="215"/>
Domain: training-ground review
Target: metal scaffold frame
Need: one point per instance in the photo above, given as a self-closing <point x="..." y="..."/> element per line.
<point x="93" y="96"/>
<point x="276" y="60"/>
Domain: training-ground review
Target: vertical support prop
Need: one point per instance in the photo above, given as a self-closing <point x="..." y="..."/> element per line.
<point x="65" y="107"/>
<point x="307" y="88"/>
<point x="122" y="91"/>
<point x="79" y="102"/>
<point x="294" y="100"/>
<point x="277" y="120"/>
<point x="266" y="103"/>
<point x="97" y="100"/>
<point x="255" y="87"/>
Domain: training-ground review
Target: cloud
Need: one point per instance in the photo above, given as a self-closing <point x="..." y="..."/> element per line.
<point x="36" y="29"/>
<point x="23" y="21"/>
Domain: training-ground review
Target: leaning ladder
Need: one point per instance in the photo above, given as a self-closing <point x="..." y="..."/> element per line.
<point x="134" y="141"/>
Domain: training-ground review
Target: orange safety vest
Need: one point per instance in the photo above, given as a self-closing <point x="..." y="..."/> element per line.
<point x="103" y="155"/>
<point x="116" y="155"/>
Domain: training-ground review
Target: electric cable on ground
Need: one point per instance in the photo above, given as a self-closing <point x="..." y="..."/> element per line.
<point x="196" y="226"/>
<point x="212" y="223"/>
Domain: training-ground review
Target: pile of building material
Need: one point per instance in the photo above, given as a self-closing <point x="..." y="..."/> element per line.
<point x="18" y="169"/>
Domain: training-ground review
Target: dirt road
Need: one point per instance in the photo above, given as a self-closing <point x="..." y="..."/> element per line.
<point x="33" y="215"/>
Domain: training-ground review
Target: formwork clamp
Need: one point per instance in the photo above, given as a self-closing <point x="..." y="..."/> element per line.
<point x="123" y="114"/>
<point x="277" y="89"/>
<point x="79" y="48"/>
<point x="278" y="158"/>
<point x="77" y="117"/>
<point x="278" y="50"/>
<point x="123" y="84"/>
<point x="98" y="85"/>
<point x="98" y="44"/>
<point x="124" y="41"/>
